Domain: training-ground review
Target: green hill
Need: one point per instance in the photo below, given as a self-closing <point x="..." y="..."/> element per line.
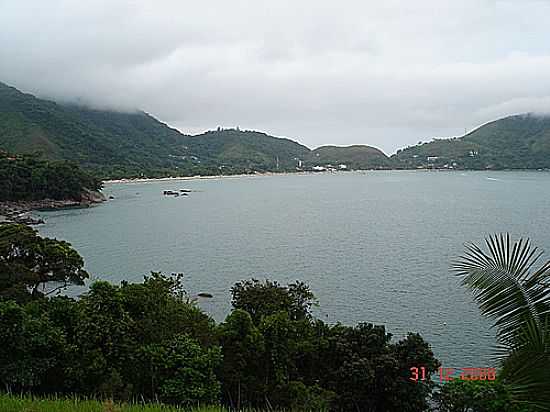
<point x="130" y="144"/>
<point x="514" y="142"/>
<point x="117" y="144"/>
<point x="354" y="157"/>
<point x="247" y="149"/>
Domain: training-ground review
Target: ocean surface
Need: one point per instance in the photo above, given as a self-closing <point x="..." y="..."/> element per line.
<point x="374" y="246"/>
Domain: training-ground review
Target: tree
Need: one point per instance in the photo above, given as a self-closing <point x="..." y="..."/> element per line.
<point x="262" y="299"/>
<point x="477" y="396"/>
<point x="243" y="349"/>
<point x="161" y="308"/>
<point x="105" y="343"/>
<point x="369" y="373"/>
<point x="509" y="290"/>
<point x="30" y="347"/>
<point x="28" y="261"/>
<point x="187" y="372"/>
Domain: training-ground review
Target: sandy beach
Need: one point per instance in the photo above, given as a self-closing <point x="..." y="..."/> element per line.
<point x="169" y="179"/>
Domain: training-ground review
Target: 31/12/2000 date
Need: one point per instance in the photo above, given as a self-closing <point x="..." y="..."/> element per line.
<point x="418" y="374"/>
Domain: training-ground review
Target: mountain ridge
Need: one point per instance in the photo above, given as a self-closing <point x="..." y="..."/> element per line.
<point x="519" y="141"/>
<point x="136" y="144"/>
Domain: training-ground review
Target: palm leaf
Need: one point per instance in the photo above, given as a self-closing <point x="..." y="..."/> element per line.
<point x="508" y="290"/>
<point x="504" y="285"/>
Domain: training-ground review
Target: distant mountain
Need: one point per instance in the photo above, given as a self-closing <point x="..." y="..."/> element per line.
<point x="115" y="144"/>
<point x="514" y="142"/>
<point x="354" y="157"/>
<point x="119" y="144"/>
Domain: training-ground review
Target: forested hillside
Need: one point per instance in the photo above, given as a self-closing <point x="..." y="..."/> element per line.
<point x="354" y="157"/>
<point x="25" y="177"/>
<point x="514" y="142"/>
<point x="117" y="144"/>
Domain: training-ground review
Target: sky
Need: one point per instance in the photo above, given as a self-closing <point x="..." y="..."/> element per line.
<point x="385" y="73"/>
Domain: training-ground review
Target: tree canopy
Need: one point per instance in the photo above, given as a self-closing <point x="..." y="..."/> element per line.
<point x="28" y="262"/>
<point x="27" y="177"/>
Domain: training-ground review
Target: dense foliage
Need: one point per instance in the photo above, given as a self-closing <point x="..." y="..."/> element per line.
<point x="514" y="142"/>
<point x="478" y="396"/>
<point x="28" y="262"/>
<point x="30" y="178"/>
<point x="150" y="341"/>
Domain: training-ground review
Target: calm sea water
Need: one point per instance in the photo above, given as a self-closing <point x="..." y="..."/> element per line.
<point x="375" y="246"/>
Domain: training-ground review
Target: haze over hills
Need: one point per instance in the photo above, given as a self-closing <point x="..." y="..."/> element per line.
<point x="116" y="144"/>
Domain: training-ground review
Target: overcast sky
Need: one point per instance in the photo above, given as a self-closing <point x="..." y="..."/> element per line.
<point x="386" y="73"/>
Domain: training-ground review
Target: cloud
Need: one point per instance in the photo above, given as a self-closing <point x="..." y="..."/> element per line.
<point x="381" y="73"/>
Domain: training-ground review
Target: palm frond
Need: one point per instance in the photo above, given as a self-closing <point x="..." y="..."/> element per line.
<point x="508" y="290"/>
<point x="504" y="285"/>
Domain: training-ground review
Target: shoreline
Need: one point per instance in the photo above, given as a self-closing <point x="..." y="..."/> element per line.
<point x="198" y="177"/>
<point x="21" y="211"/>
<point x="303" y="173"/>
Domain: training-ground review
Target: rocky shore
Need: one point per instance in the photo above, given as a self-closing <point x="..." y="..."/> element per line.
<point x="21" y="211"/>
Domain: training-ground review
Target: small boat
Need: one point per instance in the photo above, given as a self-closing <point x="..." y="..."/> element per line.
<point x="205" y="295"/>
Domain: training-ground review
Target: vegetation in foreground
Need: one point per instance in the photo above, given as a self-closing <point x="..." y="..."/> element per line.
<point x="516" y="295"/>
<point x="149" y="342"/>
<point x="29" y="404"/>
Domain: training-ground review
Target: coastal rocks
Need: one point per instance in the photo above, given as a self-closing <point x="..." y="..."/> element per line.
<point x="9" y="214"/>
<point x="91" y="197"/>
<point x="174" y="193"/>
<point x="19" y="212"/>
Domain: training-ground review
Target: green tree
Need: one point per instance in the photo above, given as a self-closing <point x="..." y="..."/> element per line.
<point x="266" y="298"/>
<point x="478" y="396"/>
<point x="29" y="348"/>
<point x="243" y="349"/>
<point x="161" y="308"/>
<point x="511" y="291"/>
<point x="105" y="343"/>
<point x="29" y="262"/>
<point x="187" y="371"/>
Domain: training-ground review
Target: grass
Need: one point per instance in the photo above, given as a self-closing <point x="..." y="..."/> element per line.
<point x="14" y="403"/>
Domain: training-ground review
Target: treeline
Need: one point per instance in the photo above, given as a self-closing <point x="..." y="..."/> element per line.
<point x="150" y="341"/>
<point x="27" y="177"/>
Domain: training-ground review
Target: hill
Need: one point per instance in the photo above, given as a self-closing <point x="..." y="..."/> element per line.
<point x="116" y="144"/>
<point x="27" y="178"/>
<point x="354" y="157"/>
<point x="514" y="142"/>
<point x="247" y="149"/>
